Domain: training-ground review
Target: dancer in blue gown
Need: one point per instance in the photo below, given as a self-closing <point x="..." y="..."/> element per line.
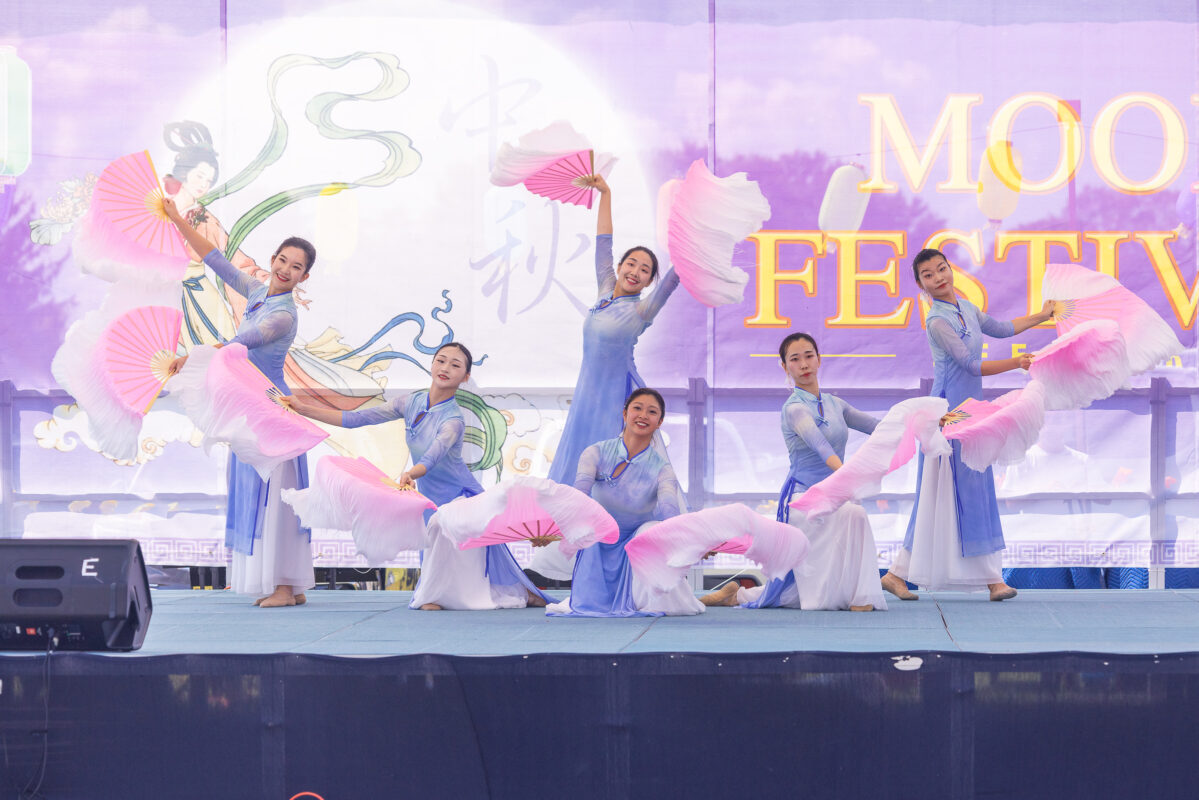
<point x="624" y="308"/>
<point x="841" y="569"/>
<point x="637" y="486"/>
<point x="434" y="429"/>
<point x="954" y="539"/>
<point x="271" y="553"/>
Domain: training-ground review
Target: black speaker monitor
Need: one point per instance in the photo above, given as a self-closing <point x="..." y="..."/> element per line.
<point x="92" y="592"/>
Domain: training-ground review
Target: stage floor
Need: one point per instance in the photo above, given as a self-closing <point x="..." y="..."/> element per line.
<point x="378" y="623"/>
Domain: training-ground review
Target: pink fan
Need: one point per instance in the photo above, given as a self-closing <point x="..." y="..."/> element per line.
<point x="701" y="219"/>
<point x="662" y="553"/>
<point x="125" y="231"/>
<point x="998" y="432"/>
<point x="226" y="398"/>
<point x="1084" y="295"/>
<point x="528" y="508"/>
<point x="116" y="369"/>
<point x="890" y="446"/>
<point x="353" y="494"/>
<point x="137" y="349"/>
<point x="551" y="162"/>
<point x="563" y="179"/>
<point x="1087" y="364"/>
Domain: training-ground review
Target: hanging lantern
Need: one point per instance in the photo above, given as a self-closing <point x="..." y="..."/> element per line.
<point x="16" y="97"/>
<point x="999" y="176"/>
<point x="844" y="207"/>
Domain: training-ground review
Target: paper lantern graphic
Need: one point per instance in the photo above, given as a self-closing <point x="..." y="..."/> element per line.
<point x="16" y="127"/>
<point x="999" y="176"/>
<point x="844" y="207"/>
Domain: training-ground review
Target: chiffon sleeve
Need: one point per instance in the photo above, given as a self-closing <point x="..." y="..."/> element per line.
<point x="270" y="327"/>
<point x="858" y="420"/>
<point x="653" y="304"/>
<point x="373" y="416"/>
<point x="586" y="471"/>
<point x="605" y="276"/>
<point x="945" y="337"/>
<point x="800" y="420"/>
<point x="994" y="328"/>
<point x="239" y="281"/>
<point x="449" y="434"/>
<point x="670" y="500"/>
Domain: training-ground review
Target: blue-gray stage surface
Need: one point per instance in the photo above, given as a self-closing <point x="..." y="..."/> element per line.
<point x="354" y="623"/>
<point x="1055" y="694"/>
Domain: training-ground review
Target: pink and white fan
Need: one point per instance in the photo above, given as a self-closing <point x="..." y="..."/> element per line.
<point x="907" y="424"/>
<point x="125" y="232"/>
<point x="352" y="494"/>
<point x="225" y="396"/>
<point x="701" y="219"/>
<point x="662" y="553"/>
<point x="552" y="163"/>
<point x="1084" y="295"/>
<point x="999" y="431"/>
<point x="115" y="369"/>
<point x="523" y="508"/>
<point x="1088" y="363"/>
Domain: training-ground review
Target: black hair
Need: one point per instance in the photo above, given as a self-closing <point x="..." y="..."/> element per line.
<point x="653" y="259"/>
<point x="642" y="392"/>
<point x="927" y="254"/>
<point x="460" y="346"/>
<point x="792" y="339"/>
<point x="302" y="244"/>
<point x="192" y="144"/>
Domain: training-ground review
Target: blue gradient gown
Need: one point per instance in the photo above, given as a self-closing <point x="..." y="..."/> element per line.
<point x="955" y="337"/>
<point x="449" y="577"/>
<point x="270" y="548"/>
<point x="842" y="564"/>
<point x="607" y="376"/>
<point x="637" y="491"/>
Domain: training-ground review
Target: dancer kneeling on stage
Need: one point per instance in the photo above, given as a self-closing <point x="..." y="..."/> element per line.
<point x="477" y="579"/>
<point x="841" y="570"/>
<point x="272" y="556"/>
<point x="637" y="486"/>
<point x="954" y="540"/>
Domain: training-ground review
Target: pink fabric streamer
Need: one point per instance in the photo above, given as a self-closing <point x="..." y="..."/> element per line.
<point x="892" y="445"/>
<point x="225" y="397"/>
<point x="1087" y="364"/>
<point x="525" y="507"/>
<point x="662" y="553"/>
<point x="1001" y="431"/>
<point x="1089" y="295"/>
<point x="701" y="219"/>
<point x="352" y="494"/>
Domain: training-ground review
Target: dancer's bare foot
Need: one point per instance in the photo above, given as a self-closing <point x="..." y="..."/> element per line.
<point x="430" y="607"/>
<point x="898" y="587"/>
<point x="861" y="608"/>
<point x="724" y="596"/>
<point x="1001" y="591"/>
<point x="534" y="601"/>
<point x="301" y="599"/>
<point x="258" y="602"/>
<point x="282" y="596"/>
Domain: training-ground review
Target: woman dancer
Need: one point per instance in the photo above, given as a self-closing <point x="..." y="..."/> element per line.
<point x="636" y="485"/>
<point x="954" y="539"/>
<point x="841" y="570"/>
<point x="607" y="374"/>
<point x="476" y="579"/>
<point x="271" y="554"/>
